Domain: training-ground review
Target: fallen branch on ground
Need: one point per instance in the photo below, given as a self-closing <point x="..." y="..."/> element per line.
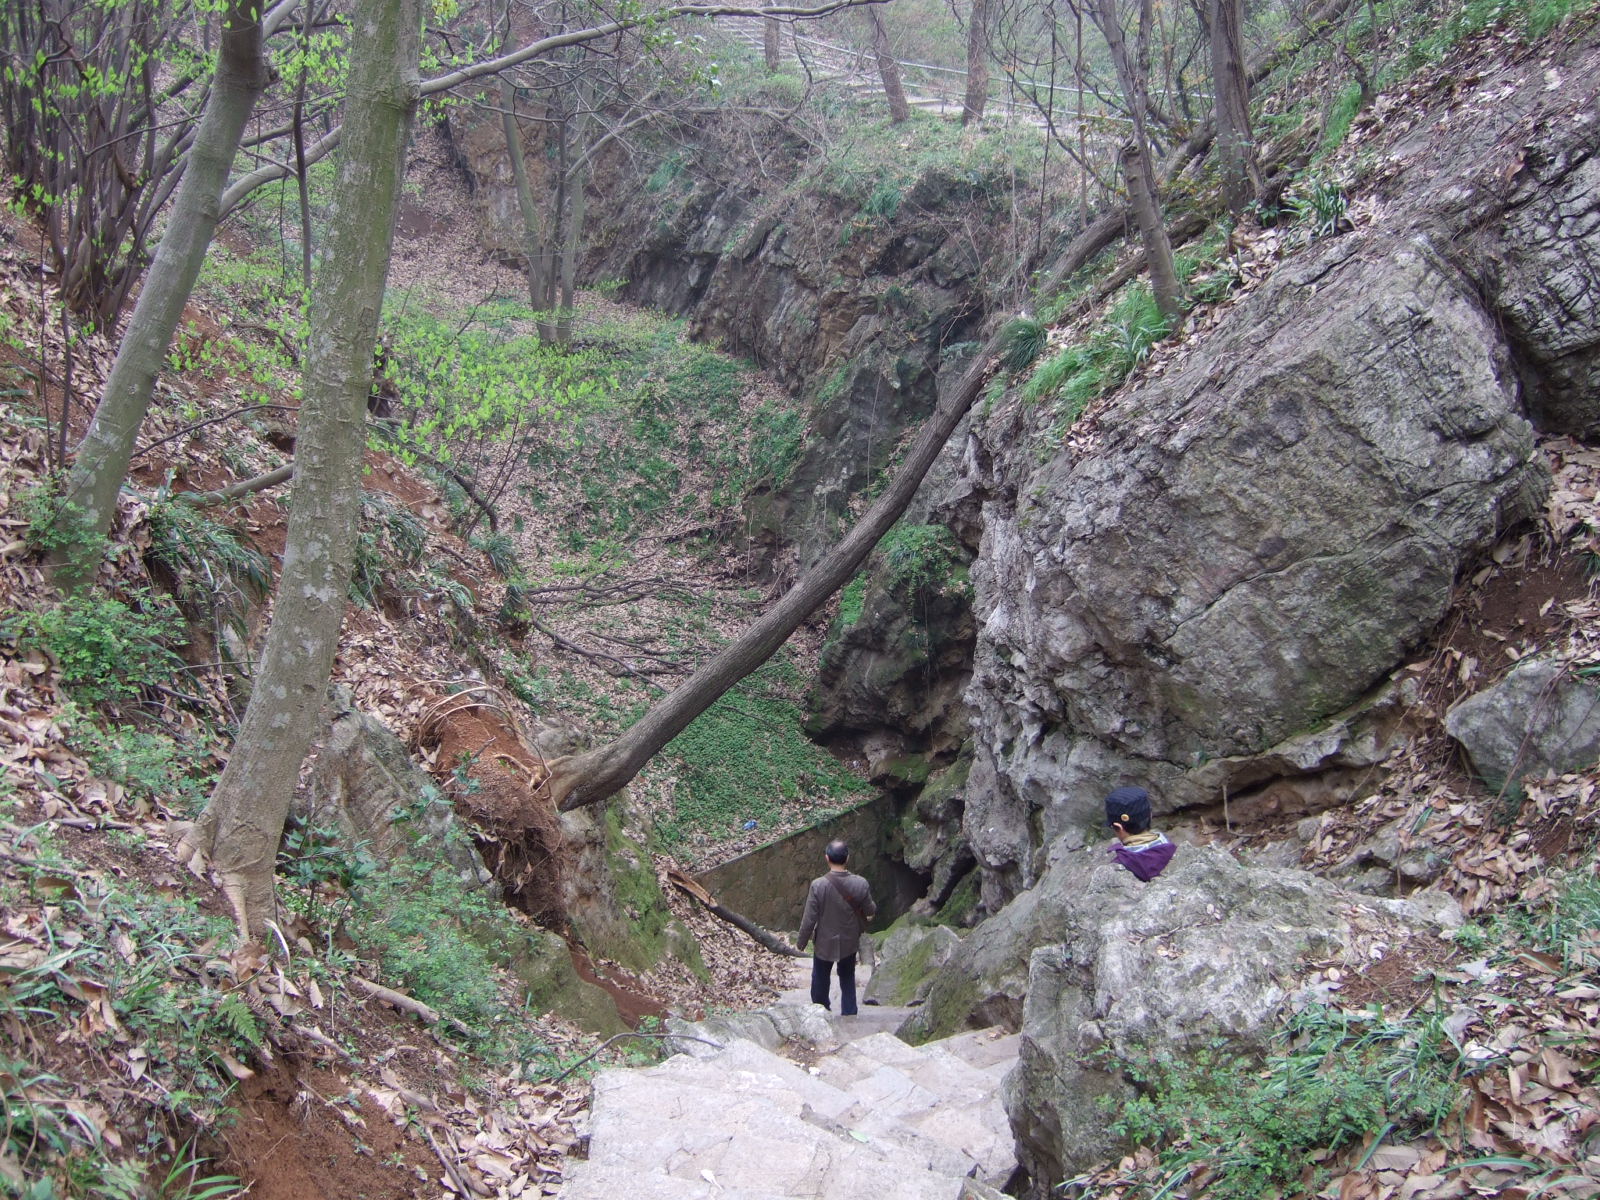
<point x="765" y="937"/>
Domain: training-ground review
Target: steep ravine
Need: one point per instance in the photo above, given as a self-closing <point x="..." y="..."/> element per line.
<point x="1205" y="584"/>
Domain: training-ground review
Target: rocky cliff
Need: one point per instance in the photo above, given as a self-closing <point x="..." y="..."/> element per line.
<point x="1207" y="583"/>
<point x="1207" y="587"/>
<point x="858" y="269"/>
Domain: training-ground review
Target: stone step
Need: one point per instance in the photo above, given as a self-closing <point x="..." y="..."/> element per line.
<point x="752" y="1142"/>
<point x="982" y="1048"/>
<point x="874" y="1117"/>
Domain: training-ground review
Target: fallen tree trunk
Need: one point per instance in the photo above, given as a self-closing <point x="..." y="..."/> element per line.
<point x="593" y="776"/>
<point x="765" y="937"/>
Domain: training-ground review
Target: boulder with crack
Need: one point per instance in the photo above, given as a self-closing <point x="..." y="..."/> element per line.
<point x="1095" y="968"/>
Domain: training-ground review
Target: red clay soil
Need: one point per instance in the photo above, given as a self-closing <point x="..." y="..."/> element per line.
<point x="633" y="1002"/>
<point x="309" y="1135"/>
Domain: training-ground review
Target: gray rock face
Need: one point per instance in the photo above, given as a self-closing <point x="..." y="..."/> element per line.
<point x="905" y="962"/>
<point x="931" y="840"/>
<point x="363" y="782"/>
<point x="902" y="664"/>
<point x="1546" y="280"/>
<point x="1541" y="717"/>
<point x="1245" y="548"/>
<point x="1093" y="961"/>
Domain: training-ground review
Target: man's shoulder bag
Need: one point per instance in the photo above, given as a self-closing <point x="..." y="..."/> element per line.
<point x="838" y="886"/>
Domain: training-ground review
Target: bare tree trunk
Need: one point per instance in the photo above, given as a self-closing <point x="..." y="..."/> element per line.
<point x="577" y="168"/>
<point x="1138" y="170"/>
<point x="532" y="236"/>
<point x="577" y="206"/>
<point x="1110" y="226"/>
<point x="554" y="229"/>
<point x="591" y="777"/>
<point x="239" y="831"/>
<point x="888" y="68"/>
<point x="1140" y="178"/>
<point x="1236" y="151"/>
<point x="977" y="97"/>
<point x="102" y="458"/>
<point x="772" y="43"/>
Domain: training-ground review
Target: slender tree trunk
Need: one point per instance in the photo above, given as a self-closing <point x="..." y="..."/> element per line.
<point x="532" y="237"/>
<point x="977" y="97"/>
<point x="554" y="229"/>
<point x="591" y="777"/>
<point x="888" y="68"/>
<point x="102" y="458"/>
<point x="239" y="831"/>
<point x="577" y="209"/>
<point x="1138" y="169"/>
<point x="772" y="43"/>
<point x="577" y="168"/>
<point x="1236" y="151"/>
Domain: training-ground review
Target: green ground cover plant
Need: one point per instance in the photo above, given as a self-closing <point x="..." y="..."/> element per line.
<point x="105" y="647"/>
<point x="1567" y="923"/>
<point x="1332" y="1079"/>
<point x="154" y="765"/>
<point x="746" y="758"/>
<point x="1078" y="373"/>
<point x="398" y="916"/>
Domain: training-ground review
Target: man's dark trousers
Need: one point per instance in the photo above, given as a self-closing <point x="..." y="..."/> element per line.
<point x="821" y="970"/>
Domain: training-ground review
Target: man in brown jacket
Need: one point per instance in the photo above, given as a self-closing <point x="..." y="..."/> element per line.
<point x="838" y="907"/>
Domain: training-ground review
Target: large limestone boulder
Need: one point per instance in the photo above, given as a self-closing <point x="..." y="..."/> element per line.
<point x="1094" y="967"/>
<point x="986" y="980"/>
<point x="1543" y="716"/>
<point x="1242" y="549"/>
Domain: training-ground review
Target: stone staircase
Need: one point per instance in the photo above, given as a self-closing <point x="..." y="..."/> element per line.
<point x="792" y="1102"/>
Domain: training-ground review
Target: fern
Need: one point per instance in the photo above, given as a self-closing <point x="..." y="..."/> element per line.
<point x="241" y="1022"/>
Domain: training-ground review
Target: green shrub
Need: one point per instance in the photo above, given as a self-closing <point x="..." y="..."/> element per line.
<point x="884" y="200"/>
<point x="106" y="649"/>
<point x="851" y="601"/>
<point x="442" y="941"/>
<point x="1024" y="340"/>
<point x="918" y="557"/>
<point x="1332" y="1080"/>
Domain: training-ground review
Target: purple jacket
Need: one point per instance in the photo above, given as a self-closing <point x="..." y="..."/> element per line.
<point x="1147" y="861"/>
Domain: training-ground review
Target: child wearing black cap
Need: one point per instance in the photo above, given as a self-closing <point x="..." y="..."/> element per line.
<point x="1139" y="848"/>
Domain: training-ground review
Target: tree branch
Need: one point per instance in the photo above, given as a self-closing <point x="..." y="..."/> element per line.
<point x="237" y="490"/>
<point x="588" y="778"/>
<point x="765" y="937"/>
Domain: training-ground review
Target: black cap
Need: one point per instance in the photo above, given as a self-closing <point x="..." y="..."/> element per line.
<point x="1128" y="807"/>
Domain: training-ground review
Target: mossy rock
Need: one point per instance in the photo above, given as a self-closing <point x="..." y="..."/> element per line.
<point x="617" y="908"/>
<point x="907" y="957"/>
<point x="542" y="963"/>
